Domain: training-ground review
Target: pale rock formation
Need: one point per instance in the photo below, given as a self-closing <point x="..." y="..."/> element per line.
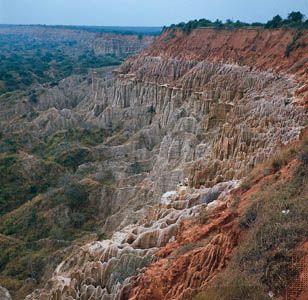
<point x="104" y="269"/>
<point x="4" y="294"/>
<point x="174" y="120"/>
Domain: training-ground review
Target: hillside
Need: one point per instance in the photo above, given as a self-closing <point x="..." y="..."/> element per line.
<point x="159" y="179"/>
<point x="33" y="55"/>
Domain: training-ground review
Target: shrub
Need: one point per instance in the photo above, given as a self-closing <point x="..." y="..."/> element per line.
<point x="36" y="266"/>
<point x="151" y="109"/>
<point x="246" y="185"/>
<point x="32" y="220"/>
<point x="76" y="195"/>
<point x="136" y="168"/>
<point x="235" y="203"/>
<point x="249" y="217"/>
<point x="33" y="98"/>
<point x="303" y="157"/>
<point x="292" y="46"/>
<point x="56" y="233"/>
<point x="274" y="23"/>
<point x="295" y="19"/>
<point x="275" y="230"/>
<point x="295" y="16"/>
<point x="105" y="178"/>
<point x="77" y="219"/>
<point x="236" y="286"/>
<point x="74" y="158"/>
<point x="268" y="258"/>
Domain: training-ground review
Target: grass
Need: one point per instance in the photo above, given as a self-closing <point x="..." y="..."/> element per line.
<point x="33" y="233"/>
<point x="293" y="45"/>
<point x="273" y="235"/>
<point x="230" y="287"/>
<point x="43" y="207"/>
<point x="18" y="185"/>
<point x="20" y="261"/>
<point x="276" y="162"/>
<point x="267" y="260"/>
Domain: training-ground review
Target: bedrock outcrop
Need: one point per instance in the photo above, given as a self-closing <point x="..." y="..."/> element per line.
<point x="106" y="269"/>
<point x="4" y="294"/>
<point x="188" y="120"/>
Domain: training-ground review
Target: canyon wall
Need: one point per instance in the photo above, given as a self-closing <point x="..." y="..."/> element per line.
<point x="189" y="116"/>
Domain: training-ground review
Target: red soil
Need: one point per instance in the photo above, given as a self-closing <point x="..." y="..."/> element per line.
<point x="186" y="265"/>
<point x="256" y="48"/>
<point x="201" y="251"/>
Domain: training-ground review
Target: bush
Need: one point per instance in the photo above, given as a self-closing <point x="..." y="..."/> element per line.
<point x="76" y="195"/>
<point x="235" y="287"/>
<point x="74" y="158"/>
<point x="36" y="266"/>
<point x="136" y="168"/>
<point x="274" y="229"/>
<point x="249" y="217"/>
<point x="77" y="219"/>
<point x="33" y="98"/>
<point x="295" y="16"/>
<point x="203" y="215"/>
<point x="274" y="23"/>
<point x="303" y="157"/>
<point x="32" y="220"/>
<point x="275" y="224"/>
<point x="292" y="46"/>
<point x="56" y="233"/>
<point x="295" y="19"/>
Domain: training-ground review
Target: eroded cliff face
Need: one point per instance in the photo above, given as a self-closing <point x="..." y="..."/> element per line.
<point x="257" y="48"/>
<point x="101" y="43"/>
<point x="190" y="116"/>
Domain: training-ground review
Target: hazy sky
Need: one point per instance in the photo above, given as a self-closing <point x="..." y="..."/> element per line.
<point x="141" y="12"/>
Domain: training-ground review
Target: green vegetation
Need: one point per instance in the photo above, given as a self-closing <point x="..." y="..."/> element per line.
<point x="232" y="287"/>
<point x="74" y="157"/>
<point x="26" y="61"/>
<point x="48" y="203"/>
<point x="44" y="208"/>
<point x="277" y="162"/>
<point x="293" y="45"/>
<point x="76" y="195"/>
<point x="136" y="168"/>
<point x="294" y="19"/>
<point x="125" y="30"/>
<point x="275" y="224"/>
<point x="49" y="223"/>
<point x="16" y="184"/>
<point x="20" y="261"/>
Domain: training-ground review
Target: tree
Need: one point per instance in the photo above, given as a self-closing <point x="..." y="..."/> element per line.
<point x="274" y="23"/>
<point x="229" y="23"/>
<point x="296" y="17"/>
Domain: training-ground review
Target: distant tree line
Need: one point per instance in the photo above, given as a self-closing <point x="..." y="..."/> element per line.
<point x="123" y="30"/>
<point x="26" y="61"/>
<point x="294" y="19"/>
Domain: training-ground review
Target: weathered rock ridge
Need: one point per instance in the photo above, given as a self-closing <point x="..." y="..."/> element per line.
<point x="182" y="113"/>
<point x="257" y="48"/>
<point x="101" y="43"/>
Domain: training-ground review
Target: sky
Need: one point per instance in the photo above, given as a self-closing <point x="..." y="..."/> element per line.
<point x="142" y="12"/>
